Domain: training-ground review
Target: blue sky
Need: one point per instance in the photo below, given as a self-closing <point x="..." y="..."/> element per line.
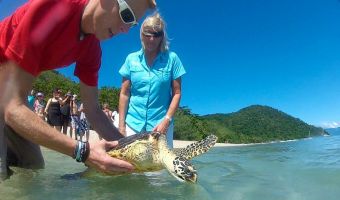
<point x="284" y="54"/>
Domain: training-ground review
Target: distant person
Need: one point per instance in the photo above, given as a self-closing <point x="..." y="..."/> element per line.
<point x="83" y="126"/>
<point x="107" y="111"/>
<point x="46" y="35"/>
<point x="116" y="120"/>
<point x="39" y="105"/>
<point x="53" y="111"/>
<point x="65" y="110"/>
<point x="74" y="109"/>
<point x="151" y="86"/>
<point x="31" y="99"/>
<point x="115" y="117"/>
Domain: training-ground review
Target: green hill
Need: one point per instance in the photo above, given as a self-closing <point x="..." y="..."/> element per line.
<point x="254" y="124"/>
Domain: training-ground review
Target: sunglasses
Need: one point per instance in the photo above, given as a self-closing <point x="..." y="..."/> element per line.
<point x="126" y="13"/>
<point x="153" y="34"/>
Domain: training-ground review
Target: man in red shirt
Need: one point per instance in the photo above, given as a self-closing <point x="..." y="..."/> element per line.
<point x="49" y="34"/>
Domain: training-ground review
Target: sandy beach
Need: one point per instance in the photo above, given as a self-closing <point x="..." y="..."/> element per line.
<point x="177" y="143"/>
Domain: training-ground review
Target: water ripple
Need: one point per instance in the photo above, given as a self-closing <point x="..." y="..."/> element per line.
<point x="305" y="169"/>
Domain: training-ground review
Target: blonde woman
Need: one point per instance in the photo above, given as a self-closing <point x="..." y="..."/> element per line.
<point x="151" y="85"/>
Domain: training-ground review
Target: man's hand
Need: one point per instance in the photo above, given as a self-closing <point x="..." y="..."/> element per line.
<point x="101" y="161"/>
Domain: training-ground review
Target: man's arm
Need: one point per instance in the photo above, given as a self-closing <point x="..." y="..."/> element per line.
<point x="123" y="104"/>
<point x="15" y="84"/>
<point x="95" y="115"/>
<point x="21" y="119"/>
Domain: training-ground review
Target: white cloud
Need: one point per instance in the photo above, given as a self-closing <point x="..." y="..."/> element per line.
<point x="330" y="124"/>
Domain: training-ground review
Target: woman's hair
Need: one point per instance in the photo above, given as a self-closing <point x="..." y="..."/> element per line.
<point x="55" y="90"/>
<point x="156" y="23"/>
<point x="105" y="105"/>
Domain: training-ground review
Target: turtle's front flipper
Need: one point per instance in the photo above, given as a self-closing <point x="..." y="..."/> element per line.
<point x="197" y="148"/>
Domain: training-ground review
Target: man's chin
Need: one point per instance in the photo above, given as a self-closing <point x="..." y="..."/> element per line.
<point x="104" y="37"/>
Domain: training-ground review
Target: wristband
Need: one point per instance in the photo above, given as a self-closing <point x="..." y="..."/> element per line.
<point x="77" y="151"/>
<point x="168" y="118"/>
<point x="82" y="151"/>
<point x="87" y="153"/>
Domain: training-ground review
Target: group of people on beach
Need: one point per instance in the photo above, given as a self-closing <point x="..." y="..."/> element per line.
<point x="33" y="40"/>
<point x="63" y="112"/>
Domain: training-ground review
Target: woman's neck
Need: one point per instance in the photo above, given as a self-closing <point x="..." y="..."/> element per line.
<point x="150" y="57"/>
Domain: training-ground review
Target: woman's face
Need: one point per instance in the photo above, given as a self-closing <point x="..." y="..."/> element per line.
<point x="152" y="39"/>
<point x="56" y="94"/>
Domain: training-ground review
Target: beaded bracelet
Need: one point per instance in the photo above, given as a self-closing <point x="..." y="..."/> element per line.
<point x="82" y="151"/>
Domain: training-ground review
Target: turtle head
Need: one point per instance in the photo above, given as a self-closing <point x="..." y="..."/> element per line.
<point x="184" y="170"/>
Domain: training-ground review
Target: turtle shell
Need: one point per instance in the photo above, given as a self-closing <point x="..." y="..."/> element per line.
<point x="123" y="142"/>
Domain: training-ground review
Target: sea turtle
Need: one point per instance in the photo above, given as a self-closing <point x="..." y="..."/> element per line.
<point x="150" y="152"/>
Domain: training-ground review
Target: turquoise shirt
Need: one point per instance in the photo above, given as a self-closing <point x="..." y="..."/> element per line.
<point x="151" y="88"/>
<point x="30" y="100"/>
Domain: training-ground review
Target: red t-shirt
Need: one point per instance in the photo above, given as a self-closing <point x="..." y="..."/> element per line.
<point x="45" y="34"/>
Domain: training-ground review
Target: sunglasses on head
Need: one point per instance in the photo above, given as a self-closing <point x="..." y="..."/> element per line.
<point x="126" y="13"/>
<point x="153" y="34"/>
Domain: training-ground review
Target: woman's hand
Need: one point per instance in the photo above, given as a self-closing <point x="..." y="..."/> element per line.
<point x="162" y="127"/>
<point x="101" y="161"/>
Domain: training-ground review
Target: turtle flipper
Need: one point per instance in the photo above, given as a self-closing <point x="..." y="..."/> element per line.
<point x="197" y="148"/>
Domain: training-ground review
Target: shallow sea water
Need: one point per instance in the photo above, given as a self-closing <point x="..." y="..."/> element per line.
<point x="305" y="169"/>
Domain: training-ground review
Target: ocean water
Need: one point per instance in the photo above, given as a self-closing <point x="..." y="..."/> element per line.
<point x="305" y="169"/>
